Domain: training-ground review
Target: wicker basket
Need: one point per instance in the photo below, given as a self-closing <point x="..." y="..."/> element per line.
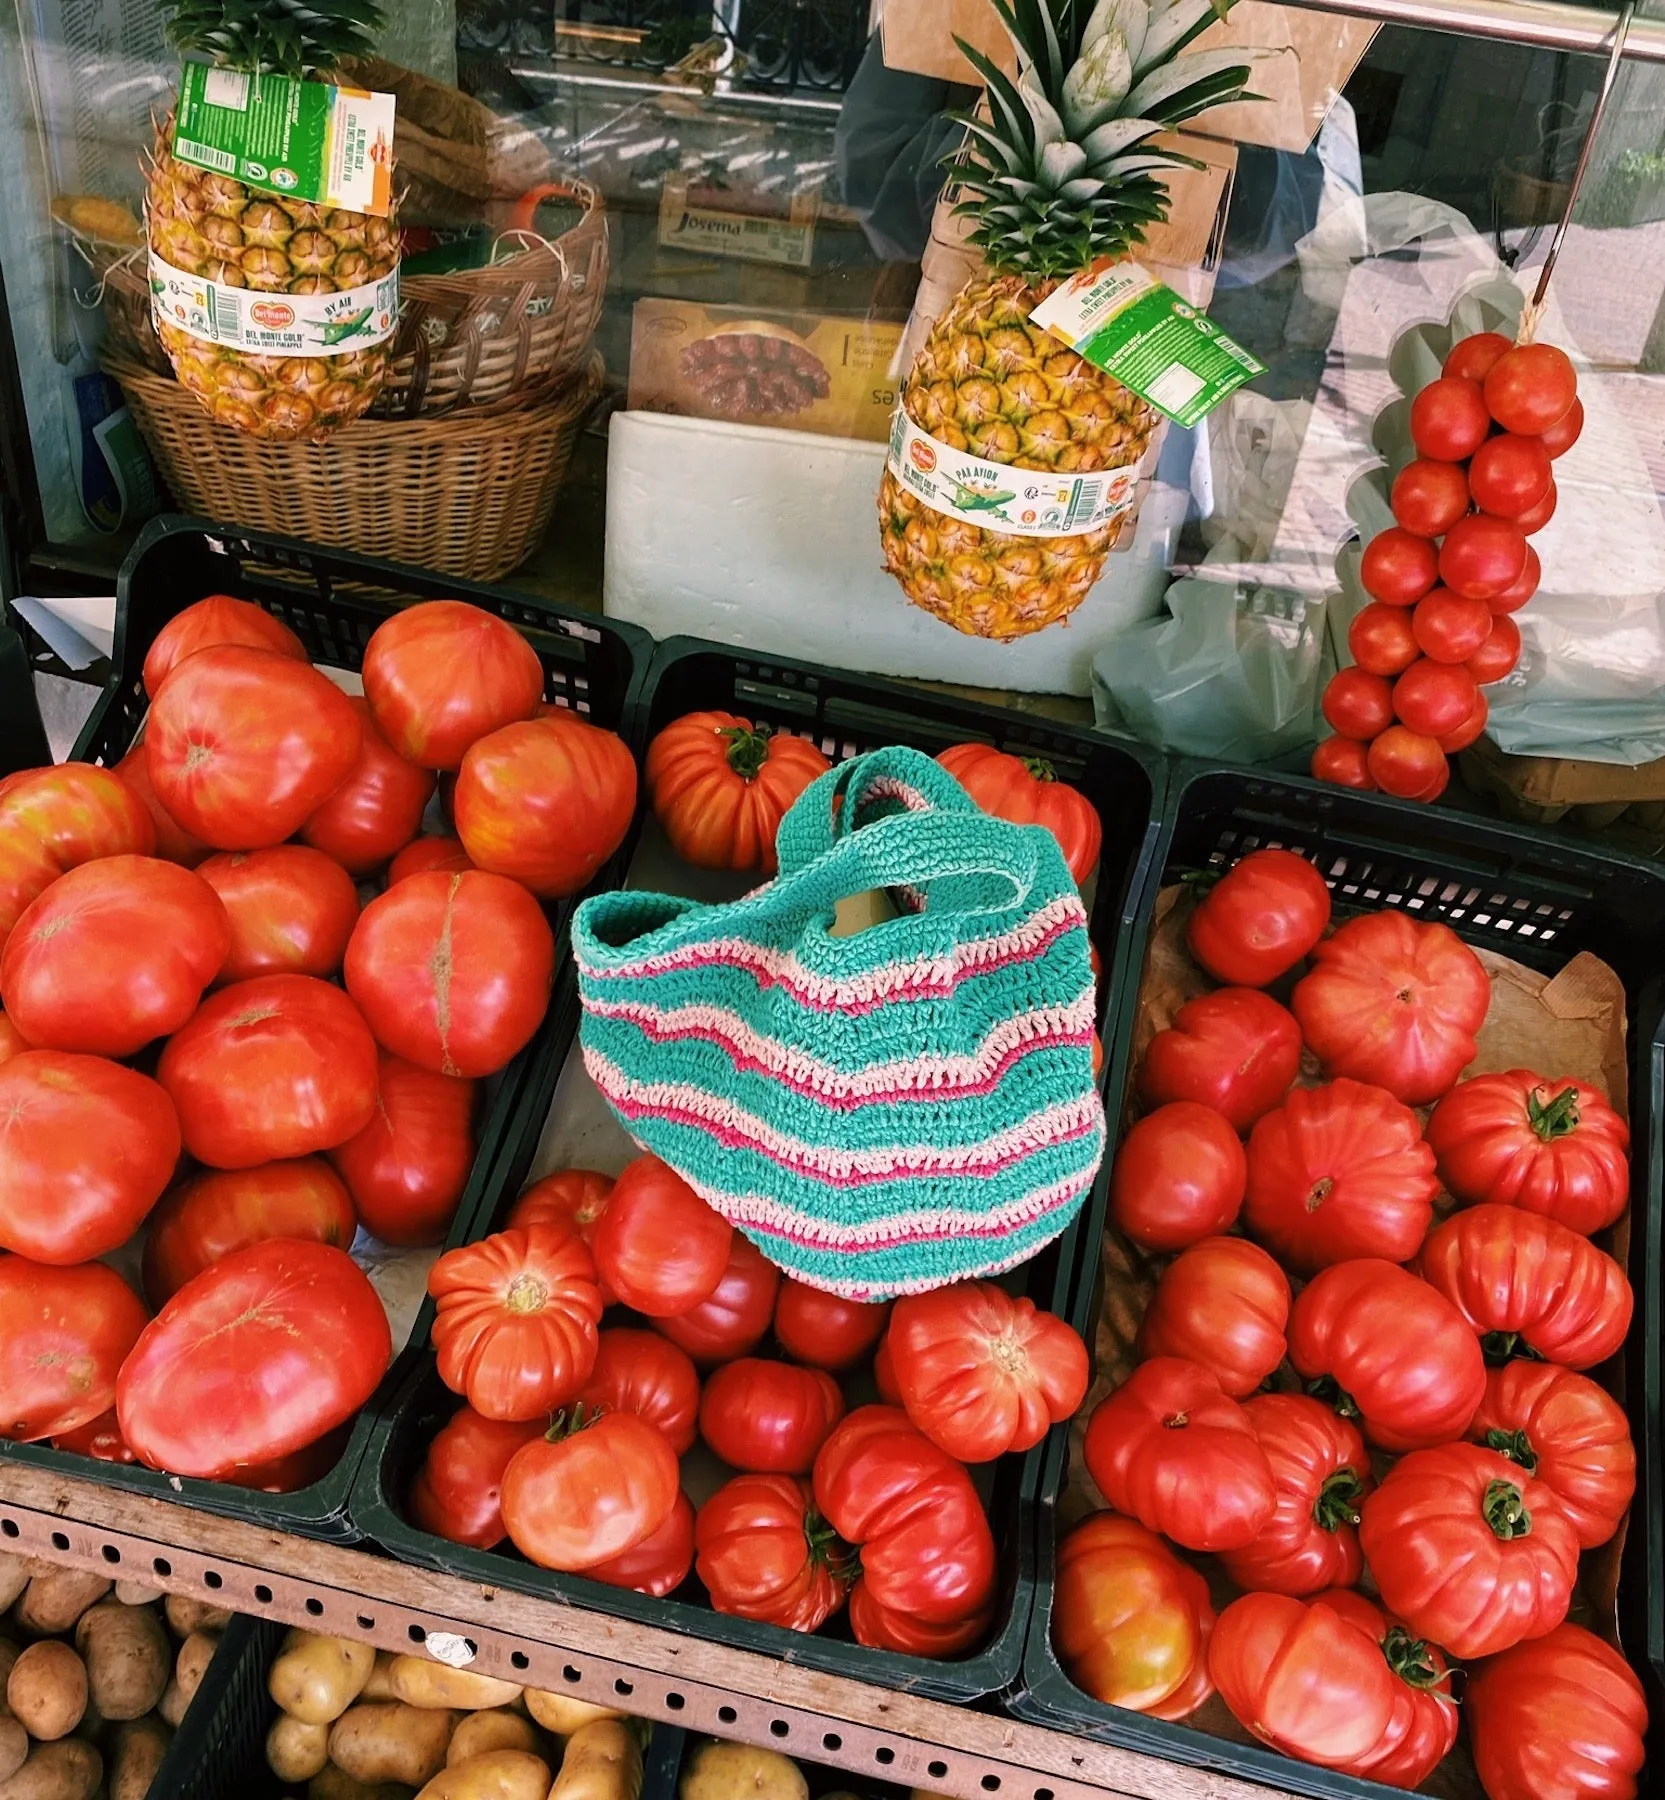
<point x="468" y="497"/>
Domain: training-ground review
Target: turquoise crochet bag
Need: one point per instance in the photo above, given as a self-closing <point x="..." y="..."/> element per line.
<point x="880" y="1113"/>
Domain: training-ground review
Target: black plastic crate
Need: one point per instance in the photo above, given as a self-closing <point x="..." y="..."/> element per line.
<point x="333" y="601"/>
<point x="1540" y="900"/>
<point x="22" y="735"/>
<point x="844" y="715"/>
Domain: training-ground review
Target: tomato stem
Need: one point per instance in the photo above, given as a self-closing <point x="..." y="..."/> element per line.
<point x="1515" y="1445"/>
<point x="571" y="1420"/>
<point x="1504" y="1509"/>
<point x="1409" y="1659"/>
<point x="1556" y="1118"/>
<point x="1040" y="768"/>
<point x="1338" y="1501"/>
<point x="1500" y="1347"/>
<point x="748" y="749"/>
<point x="1334" y="1396"/>
<point x="841" y="1560"/>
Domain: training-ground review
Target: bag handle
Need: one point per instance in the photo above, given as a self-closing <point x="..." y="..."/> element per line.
<point x="835" y="805"/>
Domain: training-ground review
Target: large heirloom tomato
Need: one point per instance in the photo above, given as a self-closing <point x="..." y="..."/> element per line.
<point x="452" y="971"/>
<point x="86" y="1148"/>
<point x="926" y="1552"/>
<point x="1322" y="1471"/>
<point x="1424" y="1723"/>
<point x="173" y="843"/>
<point x="1551" y="1147"/>
<point x="1516" y="1275"/>
<point x="982" y="1373"/>
<point x="769" y="1418"/>
<point x="731" y="1320"/>
<point x="658" y="1246"/>
<point x="1172" y="1450"/>
<point x="720" y="787"/>
<point x="1259" y="919"/>
<point x="458" y="1491"/>
<point x="1224" y="1304"/>
<point x="407" y="1168"/>
<point x="1396" y="1353"/>
<point x="113" y="954"/>
<point x="63" y="1335"/>
<point x="443" y="673"/>
<point x="1235" y="1050"/>
<point x="1340" y="1171"/>
<point x="515" y="1330"/>
<point x="99" y="1438"/>
<point x="221" y="1210"/>
<point x="575" y="1197"/>
<point x="545" y="801"/>
<point x="593" y="1487"/>
<point x="659" y="1564"/>
<point x="1178" y="1177"/>
<point x="1130" y="1621"/>
<point x="208" y="624"/>
<point x="1468" y="1549"/>
<point x="243" y="746"/>
<point x="1559" y="1718"/>
<point x="253" y="1359"/>
<point x="291" y="909"/>
<point x="1394" y="1001"/>
<point x="377" y="810"/>
<point x="764" y="1552"/>
<point x="640" y="1372"/>
<point x="53" y="820"/>
<point x="824" y="1330"/>
<point x="271" y="1068"/>
<point x="428" y="856"/>
<point x="1026" y="790"/>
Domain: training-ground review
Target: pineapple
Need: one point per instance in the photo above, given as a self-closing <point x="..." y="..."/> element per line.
<point x="1059" y="172"/>
<point x="215" y="227"/>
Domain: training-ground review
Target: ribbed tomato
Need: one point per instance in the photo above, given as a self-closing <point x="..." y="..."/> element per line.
<point x="53" y="820"/>
<point x="1178" y="1177"/>
<point x="218" y="619"/>
<point x="457" y="1494"/>
<point x="292" y="910"/>
<point x="769" y="1418"/>
<point x="591" y="1488"/>
<point x="764" y="1552"/>
<point x="1026" y="790"/>
<point x="659" y="1564"/>
<point x="1259" y="919"/>
<point x="732" y="1319"/>
<point x="64" y="1333"/>
<point x="407" y="1168"/>
<point x="377" y="810"/>
<point x="825" y="1330"/>
<point x="1224" y="1303"/>
<point x="643" y="1373"/>
<point x="173" y="842"/>
<point x="1424" y="1723"/>
<point x="658" y="1246"/>
<point x="1234" y="1049"/>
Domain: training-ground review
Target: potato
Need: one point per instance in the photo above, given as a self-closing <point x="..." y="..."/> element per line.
<point x="127" y="1654"/>
<point x="331" y="1783"/>
<point x="493" y="1775"/>
<point x="14" y="1746"/>
<point x="380" y="1684"/>
<point x="136" y="1593"/>
<point x="564" y="1715"/>
<point x="66" y="1770"/>
<point x="419" y="1681"/>
<point x="171" y="1707"/>
<point x="739" y="1772"/>
<point x="135" y="1756"/>
<point x="15" y="1572"/>
<point x="296" y="1751"/>
<point x="186" y="1615"/>
<point x="195" y="1654"/>
<point x="603" y="1761"/>
<point x="47" y="1690"/>
<point x="498" y="1729"/>
<point x="386" y="1740"/>
<point x="315" y="1679"/>
<point x="56" y="1598"/>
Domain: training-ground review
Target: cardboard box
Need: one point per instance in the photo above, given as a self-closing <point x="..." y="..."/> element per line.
<point x="720" y="222"/>
<point x="1316" y="52"/>
<point x="798" y="371"/>
<point x="1562" y="781"/>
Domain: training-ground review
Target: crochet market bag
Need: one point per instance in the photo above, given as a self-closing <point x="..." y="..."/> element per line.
<point x="880" y="1113"/>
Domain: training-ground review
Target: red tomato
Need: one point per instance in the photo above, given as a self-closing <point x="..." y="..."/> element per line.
<point x="720" y="788"/>
<point x="428" y="856"/>
<point x="377" y="810"/>
<point x="884" y="1374"/>
<point x="575" y="1197"/>
<point x="1235" y="1050"/>
<point x="1565" y="432"/>
<point x="1516" y="1275"/>
<point x="764" y="1552"/>
<point x="1482" y="557"/>
<point x="1449" y="420"/>
<point x="291" y="909"/>
<point x="407" y="1168"/>
<point x="1539" y="516"/>
<point x="545" y="801"/>
<point x="1470" y="729"/>
<point x="113" y="954"/>
<point x="442" y="674"/>
<point x="658" y="1246"/>
<point x="1531" y="388"/>
<point x="1449" y="628"/>
<point x="254" y="1358"/>
<point x="86" y="1148"/>
<point x="733" y="1317"/>
<point x="659" y="1564"/>
<point x="1499" y="652"/>
<point x="1395" y="1001"/>
<point x="1474" y="355"/>
<point x="218" y="620"/>
<point x="1340" y="1171"/>
<point x="1224" y="1304"/>
<point x="99" y="1438"/>
<point x="1509" y="475"/>
<point x="1434" y="697"/>
<point x="1559" y="1718"/>
<point x="1407" y="764"/>
<point x="1468" y="1549"/>
<point x="1302" y="1678"/>
<point x="1429" y="497"/>
<point x="1321" y="1470"/>
<point x="458" y="1492"/>
<point x="888" y="1628"/>
<point x="926" y="1552"/>
<point x="12" y="1041"/>
<point x="1259" y="919"/>
<point x="1177" y="1453"/>
<point x="271" y="1068"/>
<point x="1424" y="1723"/>
<point x="242" y="745"/>
<point x="1398" y="567"/>
<point x="1569" y="1433"/>
<point x="1381" y="639"/>
<point x="1516" y="595"/>
<point x="221" y="1210"/>
<point x="64" y="1333"/>
<point x="1358" y="704"/>
<point x="1026" y="790"/>
<point x="824" y="1330"/>
<point x="640" y="1372"/>
<point x="53" y="820"/>
<point x="1345" y="762"/>
<point x="589" y="1490"/>
<point x="768" y="1418"/>
<point x="452" y="971"/>
<point x="1388" y="1350"/>
<point x="515" y="1325"/>
<point x="173" y="843"/>
<point x="1178" y="1177"/>
<point x="1130" y="1621"/>
<point x="1552" y="1147"/>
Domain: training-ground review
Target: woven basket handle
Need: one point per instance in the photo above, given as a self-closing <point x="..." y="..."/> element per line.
<point x="833" y="807"/>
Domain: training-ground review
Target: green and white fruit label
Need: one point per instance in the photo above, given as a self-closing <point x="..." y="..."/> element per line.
<point x="275" y="324"/>
<point x="303" y="140"/>
<point x="1125" y="322"/>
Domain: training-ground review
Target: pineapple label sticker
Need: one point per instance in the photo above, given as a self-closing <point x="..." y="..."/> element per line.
<point x="281" y="324"/>
<point x="1124" y="321"/>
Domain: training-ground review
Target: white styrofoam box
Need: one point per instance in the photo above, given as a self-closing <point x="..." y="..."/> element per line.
<point x="769" y="540"/>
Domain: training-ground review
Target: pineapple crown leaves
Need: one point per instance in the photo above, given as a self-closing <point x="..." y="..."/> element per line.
<point x="287" y="37"/>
